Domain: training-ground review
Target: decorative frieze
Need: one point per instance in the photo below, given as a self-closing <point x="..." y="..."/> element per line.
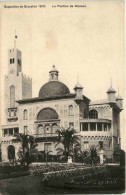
<point x="99" y="107"/>
<point x="91" y="138"/>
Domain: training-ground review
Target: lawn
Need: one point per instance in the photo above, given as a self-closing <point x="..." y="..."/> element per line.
<point x="29" y="185"/>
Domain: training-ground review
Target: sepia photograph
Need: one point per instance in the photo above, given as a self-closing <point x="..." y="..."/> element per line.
<point x="62" y="117"/>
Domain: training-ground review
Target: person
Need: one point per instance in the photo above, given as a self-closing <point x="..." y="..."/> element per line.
<point x="69" y="159"/>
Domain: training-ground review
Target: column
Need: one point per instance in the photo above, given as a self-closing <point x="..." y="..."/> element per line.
<point x="102" y="126"/>
<point x="3" y="133"/>
<point x="96" y="127"/>
<point x="7" y="132"/>
<point x="13" y="131"/>
<point x="81" y="125"/>
<point x="88" y="126"/>
<point x="107" y="127"/>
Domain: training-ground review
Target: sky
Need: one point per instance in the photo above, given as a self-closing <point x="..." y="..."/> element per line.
<point x="85" y="43"/>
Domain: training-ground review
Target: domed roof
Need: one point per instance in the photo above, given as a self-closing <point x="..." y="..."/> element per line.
<point x="53" y="89"/>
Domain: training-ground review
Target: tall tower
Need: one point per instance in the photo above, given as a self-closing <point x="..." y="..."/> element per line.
<point x="16" y="85"/>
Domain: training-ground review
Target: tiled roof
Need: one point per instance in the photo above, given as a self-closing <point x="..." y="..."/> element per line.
<point x="39" y="99"/>
<point x="102" y="101"/>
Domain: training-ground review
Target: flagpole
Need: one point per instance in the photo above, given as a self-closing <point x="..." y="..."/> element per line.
<point x="15" y="40"/>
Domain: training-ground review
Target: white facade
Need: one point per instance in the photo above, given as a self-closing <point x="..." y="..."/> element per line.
<point x="98" y="122"/>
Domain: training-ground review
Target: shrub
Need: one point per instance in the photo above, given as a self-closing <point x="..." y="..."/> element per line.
<point x="122" y="158"/>
<point x="8" y="169"/>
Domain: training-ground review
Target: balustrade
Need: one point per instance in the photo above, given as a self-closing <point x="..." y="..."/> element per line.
<point x="46" y="135"/>
<point x="95" y="127"/>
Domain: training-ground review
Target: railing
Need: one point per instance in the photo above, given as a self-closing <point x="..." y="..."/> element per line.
<point x="96" y="133"/>
<point x="95" y="120"/>
<point x="12" y="118"/>
<point x="46" y="135"/>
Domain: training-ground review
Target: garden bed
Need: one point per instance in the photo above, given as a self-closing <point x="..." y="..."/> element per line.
<point x="9" y="171"/>
<point x="110" y="178"/>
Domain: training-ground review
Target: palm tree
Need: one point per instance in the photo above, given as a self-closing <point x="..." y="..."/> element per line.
<point x="28" y="147"/>
<point x="91" y="156"/>
<point x="67" y="138"/>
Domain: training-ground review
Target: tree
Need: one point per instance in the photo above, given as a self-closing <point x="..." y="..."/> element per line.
<point x="68" y="141"/>
<point x="27" y="149"/>
<point x="91" y="156"/>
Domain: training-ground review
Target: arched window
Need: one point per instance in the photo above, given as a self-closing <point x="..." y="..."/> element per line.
<point x="71" y="110"/>
<point x="93" y="114"/>
<point x="12" y="96"/>
<point x="47" y="128"/>
<point x="40" y="129"/>
<point x="54" y="128"/>
<point x="25" y="114"/>
<point x="47" y="114"/>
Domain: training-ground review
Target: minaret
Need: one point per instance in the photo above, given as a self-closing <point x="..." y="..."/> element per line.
<point x="53" y="74"/>
<point x="119" y="100"/>
<point x="111" y="94"/>
<point x="79" y="91"/>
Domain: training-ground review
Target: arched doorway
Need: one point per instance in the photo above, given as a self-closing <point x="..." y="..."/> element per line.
<point x="11" y="152"/>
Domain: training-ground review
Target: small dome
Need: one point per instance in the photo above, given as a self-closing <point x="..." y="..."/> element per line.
<point x="111" y="90"/>
<point x="53" y="69"/>
<point x="78" y="86"/>
<point x="53" y="89"/>
<point x="119" y="97"/>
